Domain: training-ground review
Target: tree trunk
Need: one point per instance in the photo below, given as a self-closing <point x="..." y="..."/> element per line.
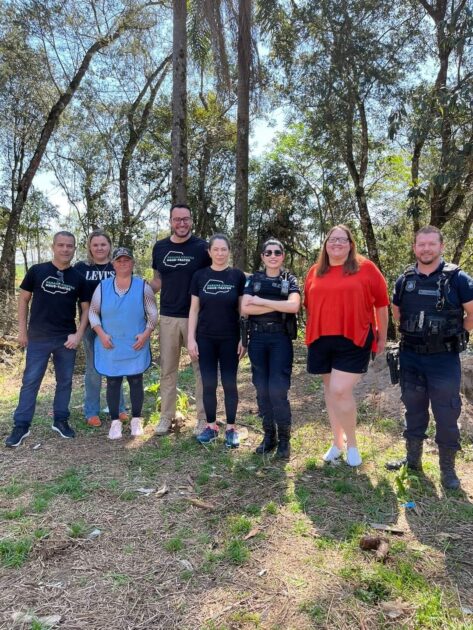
<point x="179" y="104"/>
<point x="464" y="234"/>
<point x="7" y="260"/>
<point x="243" y="130"/>
<point x="136" y="129"/>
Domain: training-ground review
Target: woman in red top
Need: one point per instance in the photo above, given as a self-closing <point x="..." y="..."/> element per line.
<point x="347" y="302"/>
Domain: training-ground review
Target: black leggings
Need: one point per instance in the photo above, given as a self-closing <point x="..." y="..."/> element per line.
<point x="137" y="394"/>
<point x="223" y="352"/>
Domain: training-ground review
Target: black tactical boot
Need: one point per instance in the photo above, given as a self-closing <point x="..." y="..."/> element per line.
<point x="413" y="457"/>
<point x="284" y="448"/>
<point x="448" y="476"/>
<point x="269" y="442"/>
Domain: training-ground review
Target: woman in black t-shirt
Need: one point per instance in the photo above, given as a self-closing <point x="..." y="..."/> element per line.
<point x="214" y="337"/>
<point x="98" y="267"/>
<point x="271" y="299"/>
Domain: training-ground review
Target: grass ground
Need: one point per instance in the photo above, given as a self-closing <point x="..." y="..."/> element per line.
<point x="165" y="533"/>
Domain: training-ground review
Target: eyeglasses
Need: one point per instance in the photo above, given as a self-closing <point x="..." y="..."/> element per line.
<point x="60" y="275"/>
<point x="272" y="252"/>
<point x="338" y="239"/>
<point x="181" y="220"/>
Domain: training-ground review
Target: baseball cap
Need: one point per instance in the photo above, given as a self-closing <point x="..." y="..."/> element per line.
<point x="122" y="251"/>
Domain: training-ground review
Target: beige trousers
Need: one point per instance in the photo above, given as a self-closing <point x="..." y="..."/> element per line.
<point x="172" y="337"/>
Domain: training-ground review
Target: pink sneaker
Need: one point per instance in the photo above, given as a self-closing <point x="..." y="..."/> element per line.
<point x="136" y="427"/>
<point x="115" y="432"/>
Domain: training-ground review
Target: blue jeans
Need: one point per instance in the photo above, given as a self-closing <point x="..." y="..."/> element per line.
<point x="271" y="356"/>
<point x="93" y="380"/>
<point x="433" y="378"/>
<point x="37" y="357"/>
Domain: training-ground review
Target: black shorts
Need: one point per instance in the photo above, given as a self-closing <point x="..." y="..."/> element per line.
<point x="338" y="353"/>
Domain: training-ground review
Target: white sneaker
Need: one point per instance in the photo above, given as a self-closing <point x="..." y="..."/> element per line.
<point x="115" y="432"/>
<point x="136" y="427"/>
<point x="354" y="457"/>
<point x="163" y="426"/>
<point x="332" y="454"/>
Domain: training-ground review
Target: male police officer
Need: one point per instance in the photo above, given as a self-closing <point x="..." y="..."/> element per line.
<point x="433" y="301"/>
<point x="175" y="259"/>
<point x="55" y="287"/>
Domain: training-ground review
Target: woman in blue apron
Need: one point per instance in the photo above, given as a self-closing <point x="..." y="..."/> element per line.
<point x="97" y="267"/>
<point x="271" y="299"/>
<point x="123" y="314"/>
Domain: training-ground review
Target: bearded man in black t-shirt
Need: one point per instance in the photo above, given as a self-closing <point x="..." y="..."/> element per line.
<point x="175" y="259"/>
<point x="55" y="288"/>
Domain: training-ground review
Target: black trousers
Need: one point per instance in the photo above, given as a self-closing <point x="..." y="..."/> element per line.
<point x="223" y="353"/>
<point x="137" y="394"/>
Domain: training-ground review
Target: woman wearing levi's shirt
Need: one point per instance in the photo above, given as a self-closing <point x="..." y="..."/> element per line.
<point x="214" y="335"/>
<point x="346" y="299"/>
<point x="98" y="267"/>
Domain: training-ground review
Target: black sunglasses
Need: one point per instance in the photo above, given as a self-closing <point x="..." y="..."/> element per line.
<point x="272" y="252"/>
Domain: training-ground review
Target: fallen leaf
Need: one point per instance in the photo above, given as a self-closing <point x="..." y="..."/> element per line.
<point x="190" y="481"/>
<point x="382" y="551"/>
<point x="449" y="535"/>
<point x="375" y="543"/>
<point x="202" y="504"/>
<point x="243" y="433"/>
<point x="394" y="609"/>
<point x="187" y="565"/>
<point x="146" y="491"/>
<point x="387" y="528"/>
<point x="162" y="491"/>
<point x="252" y="533"/>
<point x="262" y="572"/>
<point x="36" y="446"/>
<point x="370" y="542"/>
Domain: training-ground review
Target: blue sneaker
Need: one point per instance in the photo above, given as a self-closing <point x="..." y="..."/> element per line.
<point x="207" y="436"/>
<point x="232" y="439"/>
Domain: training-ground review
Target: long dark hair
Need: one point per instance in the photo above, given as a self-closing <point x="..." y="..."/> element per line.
<point x="351" y="264"/>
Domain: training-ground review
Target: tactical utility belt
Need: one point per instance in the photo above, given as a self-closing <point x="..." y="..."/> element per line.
<point x="457" y="343"/>
<point x="267" y="327"/>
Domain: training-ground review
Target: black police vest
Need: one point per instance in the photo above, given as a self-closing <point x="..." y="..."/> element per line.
<point x="268" y="288"/>
<point x="427" y="317"/>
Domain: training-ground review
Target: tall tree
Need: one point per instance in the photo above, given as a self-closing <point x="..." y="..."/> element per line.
<point x="243" y="132"/>
<point x="179" y="103"/>
<point x="128" y="19"/>
<point x="137" y="122"/>
<point x="446" y="110"/>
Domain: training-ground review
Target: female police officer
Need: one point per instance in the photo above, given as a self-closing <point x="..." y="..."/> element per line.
<point x="270" y="299"/>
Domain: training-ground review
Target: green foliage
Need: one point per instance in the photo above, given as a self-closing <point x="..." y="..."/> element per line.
<point x="14" y="553"/>
<point x="405" y="482"/>
<point x="174" y="545"/>
<point x="236" y="552"/>
<point x="77" y="529"/>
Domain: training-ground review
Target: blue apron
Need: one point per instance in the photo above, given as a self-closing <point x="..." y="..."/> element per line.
<point x="123" y="317"/>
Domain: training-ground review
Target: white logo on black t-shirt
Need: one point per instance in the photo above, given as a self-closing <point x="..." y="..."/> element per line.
<point x="176" y="259"/>
<point x="217" y="286"/>
<point x="55" y="285"/>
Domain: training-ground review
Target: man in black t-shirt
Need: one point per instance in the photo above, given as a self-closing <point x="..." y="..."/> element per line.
<point x="55" y="288"/>
<point x="175" y="259"/>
